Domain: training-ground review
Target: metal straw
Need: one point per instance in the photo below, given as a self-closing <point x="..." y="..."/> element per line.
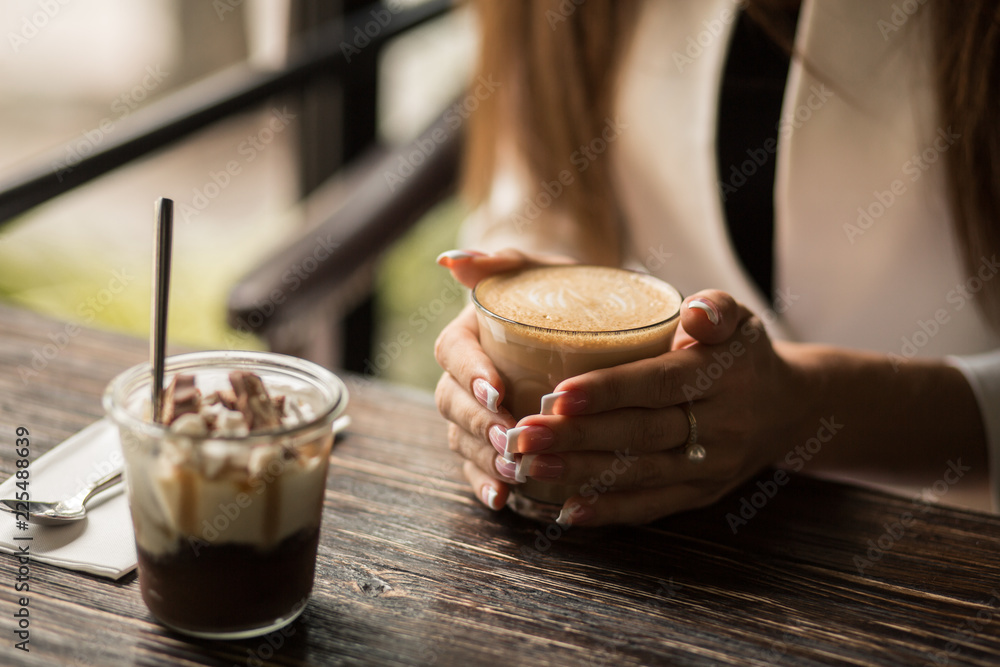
<point x="162" y="242"/>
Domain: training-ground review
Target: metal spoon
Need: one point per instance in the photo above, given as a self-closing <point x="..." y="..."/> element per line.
<point x="163" y="242"/>
<point x="63" y="511"/>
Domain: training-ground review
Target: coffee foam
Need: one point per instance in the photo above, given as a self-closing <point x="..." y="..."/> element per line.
<point x="576" y="298"/>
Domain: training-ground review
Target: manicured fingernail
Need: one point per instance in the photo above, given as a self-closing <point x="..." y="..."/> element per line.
<point x="506" y="468"/>
<point x="539" y="466"/>
<point x="549" y="402"/>
<point x="535" y="439"/>
<point x="575" y="515"/>
<point x="512" y="434"/>
<point x="486" y="394"/>
<point x="714" y="316"/>
<point x="498" y="438"/>
<point x="521" y="470"/>
<point x="570" y="402"/>
<point x="489" y="496"/>
<point x="449" y="256"/>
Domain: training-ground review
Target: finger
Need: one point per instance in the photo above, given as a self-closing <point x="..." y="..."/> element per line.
<point x="658" y="382"/>
<point x="459" y="353"/>
<point x="464" y="411"/>
<point x="637" y="507"/>
<point x="674" y="378"/>
<point x="624" y="470"/>
<point x="682" y="339"/>
<point x="488" y="490"/>
<point x="482" y="456"/>
<point x="712" y="316"/>
<point x="473" y="432"/>
<point x="476" y="434"/>
<point x="470" y="266"/>
<point x="643" y="430"/>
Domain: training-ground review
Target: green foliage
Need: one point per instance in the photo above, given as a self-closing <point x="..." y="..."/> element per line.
<point x="97" y="282"/>
<point x="105" y="283"/>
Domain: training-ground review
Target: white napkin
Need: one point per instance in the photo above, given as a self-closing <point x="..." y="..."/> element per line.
<point x="101" y="544"/>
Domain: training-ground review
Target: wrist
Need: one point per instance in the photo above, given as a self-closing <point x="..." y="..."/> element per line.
<point x="807" y="387"/>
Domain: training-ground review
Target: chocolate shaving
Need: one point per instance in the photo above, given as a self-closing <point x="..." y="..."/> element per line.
<point x="248" y="397"/>
<point x="253" y="401"/>
<point x="181" y="397"/>
<point x="226" y="397"/>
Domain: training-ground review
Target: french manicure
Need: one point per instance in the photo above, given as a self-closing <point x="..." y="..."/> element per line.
<point x="511" y="445"/>
<point x="549" y="402"/>
<point x="506" y="468"/>
<point x="714" y="316"/>
<point x="571" y="402"/>
<point x="489" y="496"/>
<point x="498" y="438"/>
<point x="535" y="439"/>
<point x="541" y="466"/>
<point x="486" y="394"/>
<point x="456" y="256"/>
<point x="574" y="515"/>
<point x="523" y="466"/>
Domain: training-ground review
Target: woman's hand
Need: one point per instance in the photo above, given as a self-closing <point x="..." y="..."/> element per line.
<point x="470" y="391"/>
<point x="619" y="434"/>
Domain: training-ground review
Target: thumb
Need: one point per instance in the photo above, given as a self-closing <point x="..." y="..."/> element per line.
<point x="470" y="266"/>
<point x="712" y="316"/>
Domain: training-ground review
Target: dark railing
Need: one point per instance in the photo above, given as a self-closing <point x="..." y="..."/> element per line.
<point x="209" y="100"/>
<point x="368" y="219"/>
<point x="362" y="224"/>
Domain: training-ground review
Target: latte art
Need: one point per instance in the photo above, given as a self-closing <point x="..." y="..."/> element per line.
<point x="575" y="298"/>
<point x="592" y="308"/>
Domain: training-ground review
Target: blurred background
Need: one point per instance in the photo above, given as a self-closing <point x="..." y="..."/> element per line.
<point x="77" y="75"/>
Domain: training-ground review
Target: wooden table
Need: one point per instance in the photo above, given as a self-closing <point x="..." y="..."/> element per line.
<point x="412" y="570"/>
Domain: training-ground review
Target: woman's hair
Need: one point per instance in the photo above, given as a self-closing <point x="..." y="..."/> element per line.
<point x="967" y="43"/>
<point x="557" y="63"/>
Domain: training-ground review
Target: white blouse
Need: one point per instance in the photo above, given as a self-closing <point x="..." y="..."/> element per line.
<point x="865" y="256"/>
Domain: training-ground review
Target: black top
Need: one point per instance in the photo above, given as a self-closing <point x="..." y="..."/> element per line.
<point x="753" y="86"/>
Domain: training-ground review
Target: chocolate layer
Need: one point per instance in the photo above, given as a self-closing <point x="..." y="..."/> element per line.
<point x="228" y="587"/>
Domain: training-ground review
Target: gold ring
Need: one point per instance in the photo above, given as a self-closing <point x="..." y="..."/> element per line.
<point x="692" y="450"/>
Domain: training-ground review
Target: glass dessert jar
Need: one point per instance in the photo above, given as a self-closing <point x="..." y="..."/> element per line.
<point x="227" y="499"/>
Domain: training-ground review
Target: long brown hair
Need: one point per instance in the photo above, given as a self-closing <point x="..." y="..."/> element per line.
<point x="557" y="62"/>
<point x="967" y="36"/>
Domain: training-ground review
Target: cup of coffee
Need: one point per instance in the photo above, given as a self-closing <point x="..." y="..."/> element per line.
<point x="226" y="494"/>
<point x="542" y="325"/>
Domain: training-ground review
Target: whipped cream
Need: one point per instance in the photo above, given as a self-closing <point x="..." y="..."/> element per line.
<point x="202" y="484"/>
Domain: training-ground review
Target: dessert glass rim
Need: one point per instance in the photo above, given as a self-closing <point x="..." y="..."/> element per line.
<point x="576" y="332"/>
<point x="125" y="383"/>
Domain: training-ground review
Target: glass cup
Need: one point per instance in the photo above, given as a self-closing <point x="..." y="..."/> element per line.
<point x="227" y="527"/>
<point x="533" y="359"/>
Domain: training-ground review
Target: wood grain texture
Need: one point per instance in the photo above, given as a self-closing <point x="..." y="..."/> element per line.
<point x="413" y="571"/>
